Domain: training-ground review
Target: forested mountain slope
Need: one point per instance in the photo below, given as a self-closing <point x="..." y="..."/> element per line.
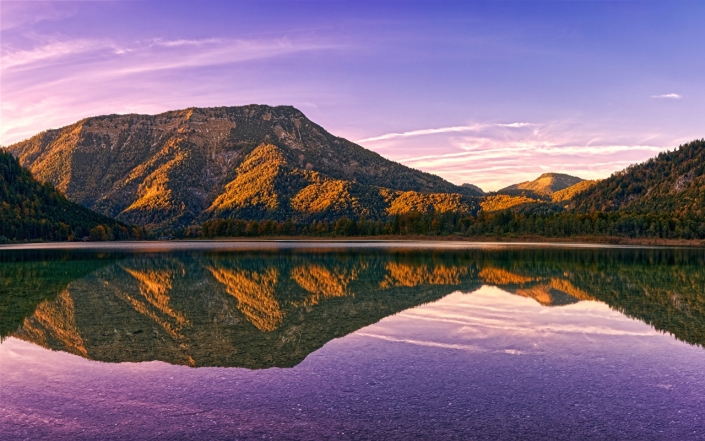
<point x="268" y="187"/>
<point x="169" y="170"/>
<point x="570" y="192"/>
<point x="30" y="210"/>
<point x="672" y="183"/>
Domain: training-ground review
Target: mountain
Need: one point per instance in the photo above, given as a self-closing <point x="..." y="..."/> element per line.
<point x="30" y="210"/>
<point x="672" y="183"/>
<point x="543" y="186"/>
<point x="256" y="161"/>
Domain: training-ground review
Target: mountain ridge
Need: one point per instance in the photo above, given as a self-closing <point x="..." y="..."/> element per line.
<point x="168" y="169"/>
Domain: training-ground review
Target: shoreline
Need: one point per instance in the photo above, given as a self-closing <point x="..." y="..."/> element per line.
<point x="411" y="242"/>
<point x="585" y="240"/>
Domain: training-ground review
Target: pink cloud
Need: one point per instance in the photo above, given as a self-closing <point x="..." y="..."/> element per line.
<point x="496" y="155"/>
<point x="55" y="83"/>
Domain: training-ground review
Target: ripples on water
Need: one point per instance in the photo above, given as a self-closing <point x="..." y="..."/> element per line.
<point x="373" y="341"/>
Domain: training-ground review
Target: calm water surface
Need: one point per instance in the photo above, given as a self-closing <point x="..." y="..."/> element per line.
<point x="351" y="341"/>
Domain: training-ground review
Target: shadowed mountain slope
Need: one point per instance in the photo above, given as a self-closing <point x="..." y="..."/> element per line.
<point x="170" y="169"/>
<point x="30" y="210"/>
<point x="474" y="188"/>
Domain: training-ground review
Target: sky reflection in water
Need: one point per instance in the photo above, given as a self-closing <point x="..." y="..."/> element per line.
<point x="475" y="344"/>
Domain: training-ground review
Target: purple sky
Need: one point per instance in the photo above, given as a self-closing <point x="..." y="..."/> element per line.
<point x="490" y="92"/>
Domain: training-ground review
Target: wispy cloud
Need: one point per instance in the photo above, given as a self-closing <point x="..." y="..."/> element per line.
<point x="516" y="125"/>
<point x="152" y="55"/>
<point x="524" y="150"/>
<point x="56" y="81"/>
<point x="54" y="50"/>
<point x="422" y="132"/>
<point x="673" y="96"/>
<point x="453" y="129"/>
<point x="496" y="155"/>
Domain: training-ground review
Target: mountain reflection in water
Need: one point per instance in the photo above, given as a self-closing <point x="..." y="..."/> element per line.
<point x="263" y="309"/>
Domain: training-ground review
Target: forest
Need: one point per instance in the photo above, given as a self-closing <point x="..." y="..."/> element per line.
<point x="505" y="223"/>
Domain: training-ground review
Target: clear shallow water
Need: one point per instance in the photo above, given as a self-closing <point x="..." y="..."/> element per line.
<point x="366" y="343"/>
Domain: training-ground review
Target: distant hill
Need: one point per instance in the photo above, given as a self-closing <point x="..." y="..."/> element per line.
<point x="540" y="196"/>
<point x="256" y="161"/>
<point x="474" y="188"/>
<point x="672" y="183"/>
<point x="30" y="210"/>
<point x="543" y="186"/>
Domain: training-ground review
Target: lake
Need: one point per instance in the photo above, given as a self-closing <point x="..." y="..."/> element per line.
<point x="351" y="340"/>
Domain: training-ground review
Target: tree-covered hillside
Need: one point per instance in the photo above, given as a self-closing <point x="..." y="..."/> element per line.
<point x="672" y="183"/>
<point x="30" y="210"/>
<point x="268" y="186"/>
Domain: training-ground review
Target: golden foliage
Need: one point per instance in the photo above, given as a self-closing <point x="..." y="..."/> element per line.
<point x="568" y="193"/>
<point x="412" y="201"/>
<point x="155" y="287"/>
<point x="544" y="185"/>
<point x="540" y="293"/>
<point x="323" y="283"/>
<point x="157" y="182"/>
<point x="503" y="202"/>
<point x="324" y="195"/>
<point x="400" y="274"/>
<point x="254" y="292"/>
<point x="254" y="185"/>
<point x="184" y="167"/>
<point x="498" y="276"/>
<point x="55" y="319"/>
<point x="570" y="289"/>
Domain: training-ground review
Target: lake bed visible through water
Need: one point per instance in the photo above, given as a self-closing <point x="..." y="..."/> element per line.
<point x="351" y="340"/>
